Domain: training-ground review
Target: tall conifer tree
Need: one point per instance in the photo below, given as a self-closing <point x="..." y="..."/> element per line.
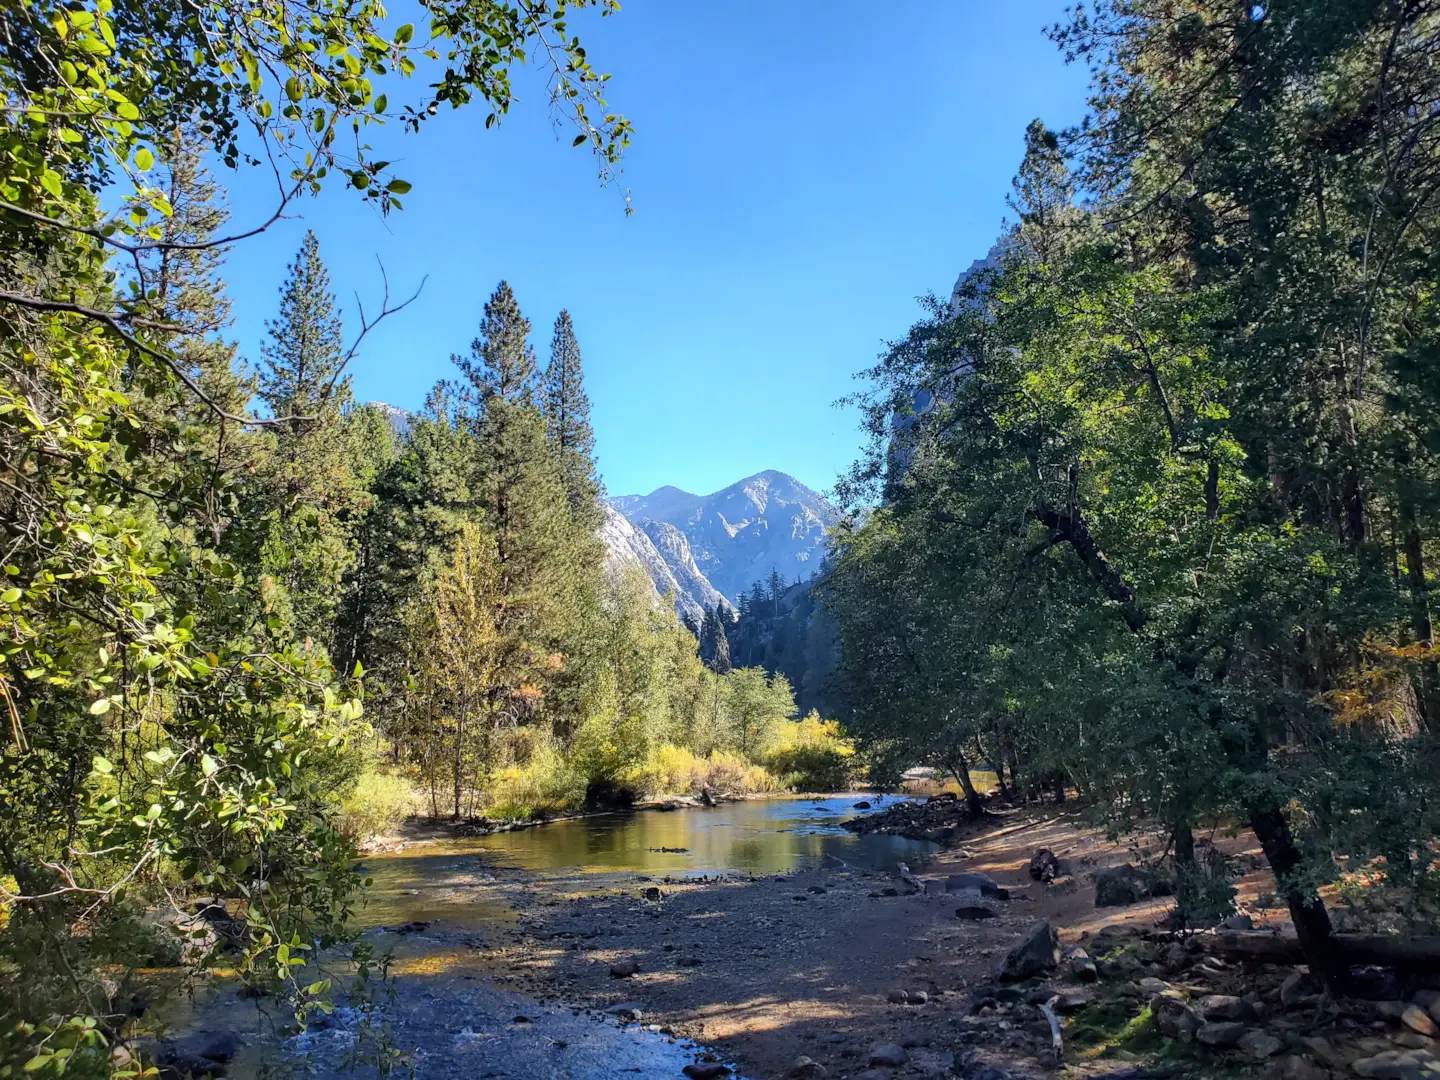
<point x="567" y="419"/>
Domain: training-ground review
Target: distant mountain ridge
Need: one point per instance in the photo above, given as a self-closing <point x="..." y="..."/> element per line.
<point x="734" y="536"/>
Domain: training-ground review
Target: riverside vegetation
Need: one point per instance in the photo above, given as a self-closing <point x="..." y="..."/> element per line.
<point x="241" y="616"/>
<point x="1147" y="514"/>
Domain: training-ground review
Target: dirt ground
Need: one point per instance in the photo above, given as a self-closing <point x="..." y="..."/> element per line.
<point x="766" y="971"/>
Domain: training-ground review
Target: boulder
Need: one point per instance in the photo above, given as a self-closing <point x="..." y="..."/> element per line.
<point x="862" y="805"/>
<point x="196" y="1054"/>
<point x="805" y="1068"/>
<point x="1174" y="1018"/>
<point x="1221" y="1034"/>
<point x="887" y="1055"/>
<point x="1259" y="1045"/>
<point x="1418" y="1020"/>
<point x="897" y="997"/>
<point x="976" y="883"/>
<point x="1072" y="999"/>
<point x="1395" y="1065"/>
<point x="1296" y="1067"/>
<point x="919" y="997"/>
<point x="1044" y="866"/>
<point x="1223" y="1007"/>
<point x="1297" y="989"/>
<point x="1120" y="886"/>
<point x="1037" y="953"/>
<point x="651" y="892"/>
<point x="625" y="968"/>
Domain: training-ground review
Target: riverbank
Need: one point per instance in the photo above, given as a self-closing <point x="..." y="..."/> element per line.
<point x="825" y="963"/>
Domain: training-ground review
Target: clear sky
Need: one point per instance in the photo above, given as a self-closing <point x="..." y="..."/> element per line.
<point x="801" y="173"/>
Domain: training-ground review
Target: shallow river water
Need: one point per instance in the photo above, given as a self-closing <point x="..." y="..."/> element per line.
<point x="448" y="1008"/>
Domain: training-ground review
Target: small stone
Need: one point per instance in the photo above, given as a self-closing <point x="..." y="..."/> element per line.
<point x="624" y="969"/>
<point x="1237" y="922"/>
<point x="1221" y="1033"/>
<point x="1081" y="966"/>
<point x="1418" y="1020"/>
<point x="1296" y="1067"/>
<point x="897" y="997"/>
<point x="1295" y="989"/>
<point x="818" y="890"/>
<point x="706" y="1070"/>
<point x="1073" y="999"/>
<point x="1260" y="1045"/>
<point x="629" y="1012"/>
<point x="1152" y="986"/>
<point x="805" y="1068"/>
<point x="887" y="1055"/>
<point x="690" y="961"/>
<point x="974" y="913"/>
<point x="862" y="805"/>
<point x="651" y="893"/>
<point x="1413" y="1040"/>
<point x="919" y="997"/>
<point x="1044" y="866"/>
<point x="1222" y="1007"/>
<point x="889" y="890"/>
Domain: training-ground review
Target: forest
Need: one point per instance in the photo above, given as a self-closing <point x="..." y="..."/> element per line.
<point x="1147" y="516"/>
<point x="1157" y="491"/>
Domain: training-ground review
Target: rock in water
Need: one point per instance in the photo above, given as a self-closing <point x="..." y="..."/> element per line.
<point x="1037" y="953"/>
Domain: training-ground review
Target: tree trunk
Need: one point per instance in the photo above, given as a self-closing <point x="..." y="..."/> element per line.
<point x="961" y="768"/>
<point x="459" y="753"/>
<point x="1307" y="911"/>
<point x="1058" y="783"/>
<point x="1420" y="620"/>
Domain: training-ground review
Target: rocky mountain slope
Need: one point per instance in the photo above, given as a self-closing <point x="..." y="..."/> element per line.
<point x="668" y="565"/>
<point x="737" y="535"/>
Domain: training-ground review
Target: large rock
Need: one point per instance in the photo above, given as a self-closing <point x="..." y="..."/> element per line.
<point x="1120" y="886"/>
<point x="805" y="1068"/>
<point x="1037" y="954"/>
<point x="1044" y="866"/>
<point x="196" y="1054"/>
<point x="981" y="884"/>
<point x="1397" y="1065"/>
<point x="887" y="1055"/>
<point x="1223" y="1007"/>
<point x="1260" y="1045"/>
<point x="1221" y="1033"/>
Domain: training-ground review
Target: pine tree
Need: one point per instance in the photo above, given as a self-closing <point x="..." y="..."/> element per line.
<point x="311" y="486"/>
<point x="567" y="420"/>
<point x="302" y="375"/>
<point x="501" y="363"/>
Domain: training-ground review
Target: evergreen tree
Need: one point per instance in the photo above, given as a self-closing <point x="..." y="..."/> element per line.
<point x="311" y="486"/>
<point x="304" y="358"/>
<point x="567" y="420"/>
<point x="501" y="363"/>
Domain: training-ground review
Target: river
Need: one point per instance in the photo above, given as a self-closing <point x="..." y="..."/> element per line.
<point x="442" y="904"/>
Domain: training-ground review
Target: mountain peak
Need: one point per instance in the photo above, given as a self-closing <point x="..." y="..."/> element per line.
<point x="739" y="534"/>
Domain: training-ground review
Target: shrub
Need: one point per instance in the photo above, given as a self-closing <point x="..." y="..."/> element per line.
<point x="813" y="755"/>
<point x="674" y="770"/>
<point x="546" y="783"/>
<point x="375" y="806"/>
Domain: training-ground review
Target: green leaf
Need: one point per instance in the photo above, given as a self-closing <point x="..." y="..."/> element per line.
<point x="208" y="765"/>
<point x="102" y="765"/>
<point x="10" y="596"/>
<point x="293" y="90"/>
<point x="50" y="181"/>
<point x="380" y="103"/>
<point x="404" y="34"/>
<point x="360" y="178"/>
<point x="395" y="187"/>
<point x="579" y="139"/>
<point x="101" y="707"/>
<point x="144" y="159"/>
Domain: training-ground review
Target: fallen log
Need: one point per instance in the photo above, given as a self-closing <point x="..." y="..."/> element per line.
<point x="1385" y="950"/>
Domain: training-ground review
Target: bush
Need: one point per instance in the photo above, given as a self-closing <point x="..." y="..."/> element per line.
<point x="375" y="806"/>
<point x="545" y="784"/>
<point x="674" y="770"/>
<point x="813" y="755"/>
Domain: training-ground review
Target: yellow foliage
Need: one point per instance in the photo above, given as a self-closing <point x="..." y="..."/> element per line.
<point x="674" y="770"/>
<point x="377" y="804"/>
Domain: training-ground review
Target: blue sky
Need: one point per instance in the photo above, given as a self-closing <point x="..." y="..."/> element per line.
<point x="800" y="174"/>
